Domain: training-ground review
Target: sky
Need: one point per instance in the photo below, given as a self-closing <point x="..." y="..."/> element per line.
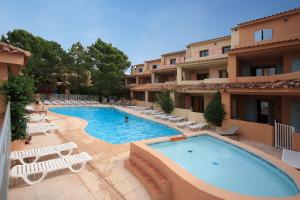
<point x="142" y="29"/>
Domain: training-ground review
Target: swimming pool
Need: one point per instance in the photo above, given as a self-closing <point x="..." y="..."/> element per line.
<point x="228" y="167"/>
<point x="109" y="124"/>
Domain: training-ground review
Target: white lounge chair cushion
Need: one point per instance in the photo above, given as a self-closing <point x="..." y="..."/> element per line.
<point x="292" y="158"/>
<point x="44" y="151"/>
<point x="45" y="167"/>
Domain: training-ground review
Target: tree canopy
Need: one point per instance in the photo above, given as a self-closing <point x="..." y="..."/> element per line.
<point x="96" y="69"/>
<point x="108" y="65"/>
<point x="46" y="63"/>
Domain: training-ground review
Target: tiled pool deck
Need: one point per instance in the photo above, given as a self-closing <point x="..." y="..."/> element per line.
<point x="105" y="177"/>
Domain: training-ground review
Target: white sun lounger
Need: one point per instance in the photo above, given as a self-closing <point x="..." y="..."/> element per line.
<point x="43" y="151"/>
<point x="165" y="117"/>
<point x="158" y="116"/>
<point x="157" y="113"/>
<point x="43" y="168"/>
<point x="292" y="158"/>
<point x="185" y="124"/>
<point x="146" y="111"/>
<point x="197" y="126"/>
<point x="46" y="102"/>
<point x="176" y="119"/>
<point x="30" y="109"/>
<point x="37" y="118"/>
<point x="45" y="128"/>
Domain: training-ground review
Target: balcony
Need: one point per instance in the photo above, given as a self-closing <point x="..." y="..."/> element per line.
<point x="285" y="76"/>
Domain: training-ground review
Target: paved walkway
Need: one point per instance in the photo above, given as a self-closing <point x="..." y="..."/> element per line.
<point x="105" y="177"/>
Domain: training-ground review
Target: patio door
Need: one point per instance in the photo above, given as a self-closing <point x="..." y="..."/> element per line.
<point x="295" y="115"/>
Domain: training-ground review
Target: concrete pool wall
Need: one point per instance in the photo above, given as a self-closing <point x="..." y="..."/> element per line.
<point x="166" y="180"/>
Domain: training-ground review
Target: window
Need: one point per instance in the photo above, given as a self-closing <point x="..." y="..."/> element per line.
<point x="225" y="49"/>
<point x="172" y="61"/>
<point x="203" y="53"/>
<point x="140" y="69"/>
<point x="265" y="34"/>
<point x="154" y="66"/>
<point x="263" y="71"/>
<point x="264" y="111"/>
<point x="202" y="76"/>
<point x="223" y="74"/>
<point x="295" y="64"/>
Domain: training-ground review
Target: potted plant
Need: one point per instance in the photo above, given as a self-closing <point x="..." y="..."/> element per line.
<point x="214" y="112"/>
<point x="19" y="91"/>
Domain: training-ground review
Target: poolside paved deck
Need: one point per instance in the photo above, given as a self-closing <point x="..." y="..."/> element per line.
<point x="105" y="177"/>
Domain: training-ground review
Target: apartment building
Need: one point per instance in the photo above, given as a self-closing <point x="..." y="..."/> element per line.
<point x="264" y="76"/>
<point x="256" y="68"/>
<point x="205" y="62"/>
<point x="156" y="74"/>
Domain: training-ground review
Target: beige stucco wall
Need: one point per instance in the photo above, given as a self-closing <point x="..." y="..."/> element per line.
<point x="235" y="38"/>
<point x="214" y="48"/>
<point x="165" y="59"/>
<point x="282" y="29"/>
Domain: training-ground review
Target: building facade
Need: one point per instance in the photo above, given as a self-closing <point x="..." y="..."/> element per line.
<point x="256" y="68"/>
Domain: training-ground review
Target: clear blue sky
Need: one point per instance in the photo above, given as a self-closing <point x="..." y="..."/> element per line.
<point x="143" y="29"/>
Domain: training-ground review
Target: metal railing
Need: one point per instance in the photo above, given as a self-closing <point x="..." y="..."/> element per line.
<point x="63" y="97"/>
<point x="284" y="136"/>
<point x="5" y="135"/>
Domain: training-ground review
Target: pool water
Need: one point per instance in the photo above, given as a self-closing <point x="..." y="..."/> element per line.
<point x="109" y="124"/>
<point x="229" y="167"/>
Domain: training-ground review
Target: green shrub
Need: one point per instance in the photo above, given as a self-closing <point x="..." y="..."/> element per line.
<point x="214" y="111"/>
<point x="165" y="101"/>
<point x="19" y="91"/>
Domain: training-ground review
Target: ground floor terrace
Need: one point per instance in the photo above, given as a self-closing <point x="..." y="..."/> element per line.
<point x="105" y="177"/>
<point x="257" y="112"/>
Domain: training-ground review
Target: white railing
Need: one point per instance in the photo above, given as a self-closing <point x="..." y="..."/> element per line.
<point x="284" y="136"/>
<point x="5" y="135"/>
<point x="69" y="97"/>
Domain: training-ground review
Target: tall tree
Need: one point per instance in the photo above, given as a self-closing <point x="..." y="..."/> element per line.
<point x="78" y="70"/>
<point x="108" y="65"/>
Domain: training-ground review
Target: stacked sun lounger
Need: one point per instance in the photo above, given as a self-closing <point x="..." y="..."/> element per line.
<point x="65" y="161"/>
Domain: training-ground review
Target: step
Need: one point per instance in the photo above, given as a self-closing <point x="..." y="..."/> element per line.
<point x="150" y="169"/>
<point x="146" y="180"/>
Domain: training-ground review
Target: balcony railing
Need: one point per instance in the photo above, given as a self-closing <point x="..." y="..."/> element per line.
<point x="285" y="76"/>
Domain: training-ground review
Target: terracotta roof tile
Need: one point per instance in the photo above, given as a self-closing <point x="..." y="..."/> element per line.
<point x="292" y="83"/>
<point x="270" y="16"/>
<point x="265" y="44"/>
<point x="210" y="40"/>
<point x="11" y="49"/>
<point x="155" y="86"/>
<point x="172" y="53"/>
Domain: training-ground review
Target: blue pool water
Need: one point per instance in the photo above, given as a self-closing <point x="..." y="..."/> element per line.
<point x="108" y="124"/>
<point x="229" y="167"/>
